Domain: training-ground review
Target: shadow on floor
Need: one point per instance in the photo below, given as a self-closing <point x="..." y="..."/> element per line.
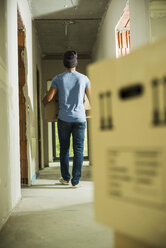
<point x="55" y="218"/>
<point x="71" y="226"/>
<point x="53" y="173"/>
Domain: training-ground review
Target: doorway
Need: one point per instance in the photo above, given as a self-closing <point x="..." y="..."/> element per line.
<point x="38" y="111"/>
<point x="56" y="144"/>
<point x="22" y="100"/>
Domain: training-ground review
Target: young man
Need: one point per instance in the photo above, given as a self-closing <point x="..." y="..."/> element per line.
<point x="71" y="87"/>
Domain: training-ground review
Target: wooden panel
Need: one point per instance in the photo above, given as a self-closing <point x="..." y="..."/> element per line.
<point x="22" y="110"/>
<point x="21" y="37"/>
<point x="21" y="75"/>
<point x="118" y="39"/>
<point x="128" y="39"/>
<point x="23" y="150"/>
<point x="123" y="41"/>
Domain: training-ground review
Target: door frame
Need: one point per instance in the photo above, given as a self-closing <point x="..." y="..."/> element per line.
<point x="38" y="118"/>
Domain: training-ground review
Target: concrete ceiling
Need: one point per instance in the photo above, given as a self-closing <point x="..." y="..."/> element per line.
<point x="157" y="9"/>
<point x="67" y="24"/>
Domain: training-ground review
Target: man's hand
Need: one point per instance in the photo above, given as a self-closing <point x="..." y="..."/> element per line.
<point x="49" y="95"/>
<point x="88" y="93"/>
<point x="44" y="100"/>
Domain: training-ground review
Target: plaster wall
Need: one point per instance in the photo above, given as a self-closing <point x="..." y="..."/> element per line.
<point x="105" y="46"/>
<point x="5" y="175"/>
<point x="50" y="69"/>
<point x="32" y="62"/>
<point x="10" y="188"/>
<point x="33" y="122"/>
<point x="13" y="104"/>
<point x="139" y="21"/>
<point x="158" y="29"/>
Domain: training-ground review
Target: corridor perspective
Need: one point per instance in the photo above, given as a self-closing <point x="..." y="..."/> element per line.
<point x="121" y="199"/>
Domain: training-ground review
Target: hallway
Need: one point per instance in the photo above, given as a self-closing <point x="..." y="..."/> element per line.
<point x="55" y="216"/>
<point x="110" y="38"/>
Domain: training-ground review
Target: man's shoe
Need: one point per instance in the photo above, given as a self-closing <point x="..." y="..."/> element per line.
<point x="62" y="181"/>
<point x="76" y="185"/>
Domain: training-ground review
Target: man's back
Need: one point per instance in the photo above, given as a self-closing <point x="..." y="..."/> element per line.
<point x="71" y="87"/>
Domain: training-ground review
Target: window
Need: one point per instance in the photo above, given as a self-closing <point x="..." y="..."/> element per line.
<point x="122" y="32"/>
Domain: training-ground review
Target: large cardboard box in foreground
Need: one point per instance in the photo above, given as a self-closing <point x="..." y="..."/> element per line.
<point x="128" y="145"/>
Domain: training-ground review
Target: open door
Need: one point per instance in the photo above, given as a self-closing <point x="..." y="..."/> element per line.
<point x="38" y="110"/>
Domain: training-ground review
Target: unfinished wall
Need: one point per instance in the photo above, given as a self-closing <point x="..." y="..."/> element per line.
<point x="5" y="175"/>
<point x="33" y="122"/>
<point x="32" y="62"/>
<point x="105" y="46"/>
<point x="37" y="65"/>
<point x="50" y="69"/>
<point x="10" y="190"/>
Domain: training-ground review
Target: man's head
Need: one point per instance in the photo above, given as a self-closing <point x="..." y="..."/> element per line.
<point x="70" y="59"/>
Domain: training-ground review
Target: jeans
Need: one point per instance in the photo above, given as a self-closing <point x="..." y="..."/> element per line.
<point x="77" y="129"/>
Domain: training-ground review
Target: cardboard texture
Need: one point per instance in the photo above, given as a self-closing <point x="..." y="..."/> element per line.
<point x="52" y="109"/>
<point x="128" y="146"/>
<point x="123" y="241"/>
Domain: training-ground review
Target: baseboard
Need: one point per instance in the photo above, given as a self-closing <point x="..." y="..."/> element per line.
<point x="5" y="219"/>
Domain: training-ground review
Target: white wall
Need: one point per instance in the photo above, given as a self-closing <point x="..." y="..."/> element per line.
<point x="157" y="19"/>
<point x="5" y="175"/>
<point x="13" y="108"/>
<point x="139" y="21"/>
<point x="158" y="28"/>
<point x="50" y="69"/>
<point x="105" y="46"/>
<point x="10" y="190"/>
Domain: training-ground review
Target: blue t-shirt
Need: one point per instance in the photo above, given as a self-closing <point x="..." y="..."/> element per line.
<point x="71" y="87"/>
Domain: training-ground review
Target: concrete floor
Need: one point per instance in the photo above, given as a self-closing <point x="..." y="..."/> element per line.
<point x="51" y="215"/>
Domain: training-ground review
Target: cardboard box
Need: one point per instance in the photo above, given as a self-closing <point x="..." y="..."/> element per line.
<point x="87" y="108"/>
<point x="52" y="109"/>
<point x="128" y="151"/>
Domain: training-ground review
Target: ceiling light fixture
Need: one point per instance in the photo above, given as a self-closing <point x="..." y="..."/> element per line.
<point x="67" y="23"/>
<point x="65" y="5"/>
<point x="72" y="3"/>
<point x="75" y="7"/>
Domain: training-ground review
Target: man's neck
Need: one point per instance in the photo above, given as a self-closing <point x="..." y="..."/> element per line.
<point x="71" y="69"/>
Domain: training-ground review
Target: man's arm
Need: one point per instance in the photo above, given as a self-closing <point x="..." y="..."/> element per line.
<point x="88" y="93"/>
<point x="49" y="96"/>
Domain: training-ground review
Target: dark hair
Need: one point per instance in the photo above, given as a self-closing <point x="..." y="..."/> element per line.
<point x="70" y="59"/>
